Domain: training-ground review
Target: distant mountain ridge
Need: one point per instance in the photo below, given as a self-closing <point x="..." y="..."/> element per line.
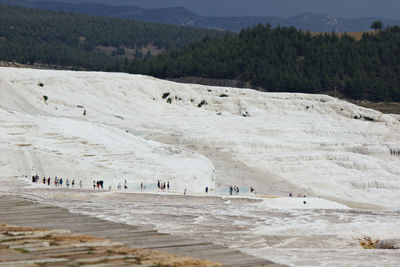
<point x="183" y="17"/>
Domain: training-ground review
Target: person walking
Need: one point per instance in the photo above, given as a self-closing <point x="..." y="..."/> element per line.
<point x="67" y="183"/>
<point x="73" y="183"/>
<point x="80" y="184"/>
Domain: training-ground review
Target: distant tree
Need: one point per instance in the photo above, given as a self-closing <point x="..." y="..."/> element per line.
<point x="120" y="51"/>
<point x="377" y="25"/>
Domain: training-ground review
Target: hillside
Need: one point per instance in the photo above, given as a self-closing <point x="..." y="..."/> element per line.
<point x="96" y="43"/>
<point x="288" y="60"/>
<point x="183" y="17"/>
<point x="195" y="136"/>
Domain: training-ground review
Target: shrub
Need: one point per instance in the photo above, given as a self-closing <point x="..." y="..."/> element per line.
<point x="223" y="95"/>
<point x="368" y="119"/>
<point x="203" y="102"/>
<point x="165" y="95"/>
<point x="45" y="98"/>
<point x="169" y="100"/>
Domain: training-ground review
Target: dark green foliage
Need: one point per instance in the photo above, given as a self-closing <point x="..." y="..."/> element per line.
<point x="202" y="103"/>
<point x="169" y="100"/>
<point x="165" y="95"/>
<point x="281" y="59"/>
<point x="288" y="60"/>
<point x="377" y="25"/>
<point x="368" y="119"/>
<point x="120" y="51"/>
<point x="31" y="36"/>
<point x="45" y="98"/>
<point x="223" y="95"/>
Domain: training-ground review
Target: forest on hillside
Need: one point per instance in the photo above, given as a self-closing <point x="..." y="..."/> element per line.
<point x="271" y="59"/>
<point x="39" y="36"/>
<point x="288" y="60"/>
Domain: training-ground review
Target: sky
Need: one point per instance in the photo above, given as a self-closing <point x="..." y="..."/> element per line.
<point x="389" y="9"/>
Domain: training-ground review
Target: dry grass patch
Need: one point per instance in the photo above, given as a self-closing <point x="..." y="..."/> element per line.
<point x="83" y="250"/>
<point x="356" y="35"/>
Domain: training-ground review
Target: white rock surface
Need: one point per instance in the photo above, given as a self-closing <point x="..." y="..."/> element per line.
<point x="276" y="142"/>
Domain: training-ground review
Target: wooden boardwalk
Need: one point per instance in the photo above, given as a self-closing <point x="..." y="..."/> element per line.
<point x="20" y="212"/>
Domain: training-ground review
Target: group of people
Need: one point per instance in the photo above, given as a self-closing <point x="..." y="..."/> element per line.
<point x="58" y="182"/>
<point x="162" y="185"/>
<point x="125" y="185"/>
<point x="233" y="189"/>
<point x="298" y="195"/>
<point x="99" y="184"/>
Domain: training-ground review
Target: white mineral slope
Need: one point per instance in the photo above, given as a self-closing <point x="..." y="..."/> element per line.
<point x="276" y="142"/>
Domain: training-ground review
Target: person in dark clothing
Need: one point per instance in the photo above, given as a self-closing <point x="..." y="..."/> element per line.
<point x="48" y="181"/>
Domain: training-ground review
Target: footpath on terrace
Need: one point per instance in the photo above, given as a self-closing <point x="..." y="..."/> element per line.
<point x="24" y="213"/>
